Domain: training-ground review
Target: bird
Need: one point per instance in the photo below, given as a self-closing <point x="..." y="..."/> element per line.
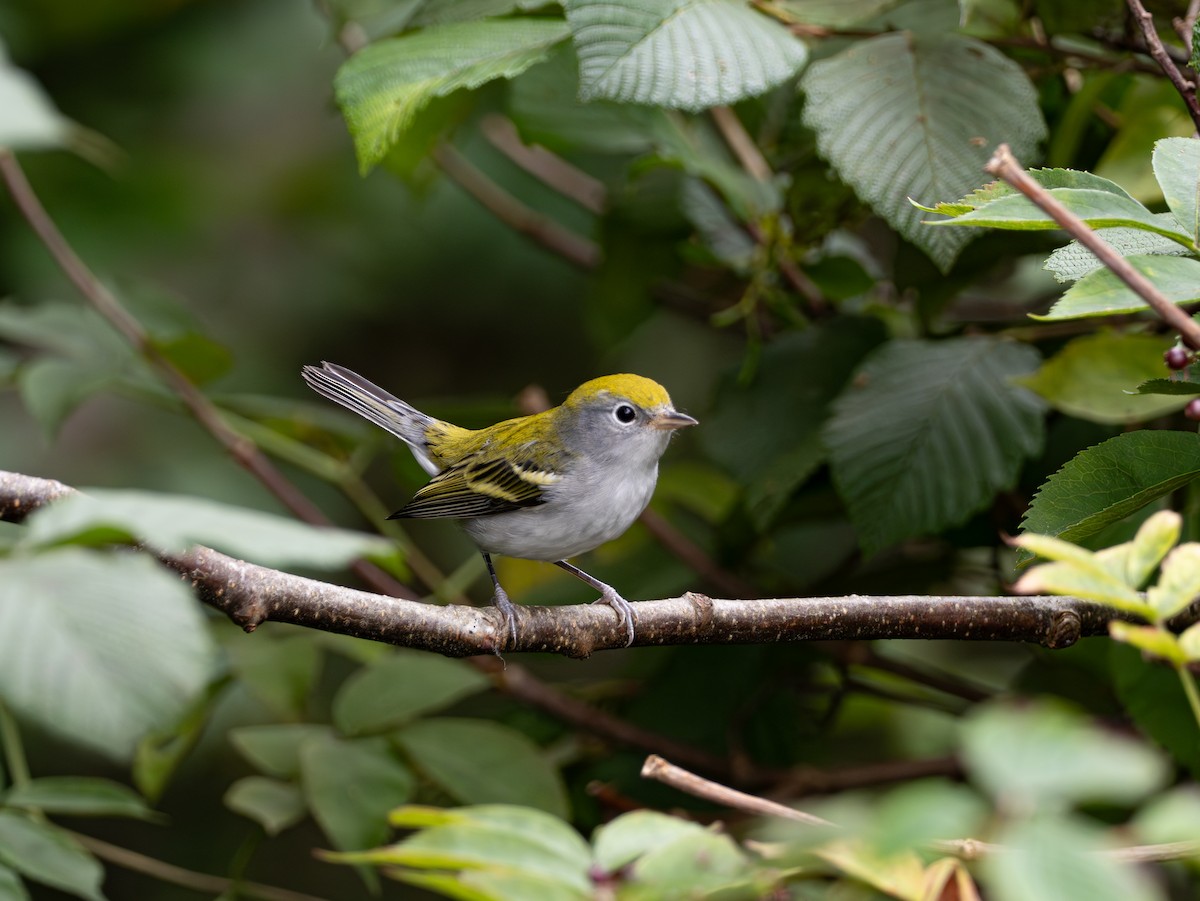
<point x="548" y="486"/>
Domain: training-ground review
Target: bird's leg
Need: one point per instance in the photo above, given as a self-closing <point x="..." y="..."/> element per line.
<point x="500" y="600"/>
<point x="608" y="595"/>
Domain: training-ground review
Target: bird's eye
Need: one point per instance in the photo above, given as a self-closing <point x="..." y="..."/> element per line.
<point x="625" y="413"/>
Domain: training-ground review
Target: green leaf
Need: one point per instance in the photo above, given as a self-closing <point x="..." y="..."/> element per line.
<point x="175" y="523"/>
<point x="1178" y="583"/>
<point x="1136" y="560"/>
<point x="692" y="864"/>
<point x="555" y="836"/>
<point x="46" y="854"/>
<point x="383" y="86"/>
<point x="1092" y="377"/>
<point x="1176" y="164"/>
<point x="275" y="749"/>
<point x="1073" y="261"/>
<point x="81" y="645"/>
<point x="921" y="812"/>
<point x="1046" y="178"/>
<point x="683" y="54"/>
<point x="350" y="785"/>
<point x="1153" y="640"/>
<point x="625" y="839"/>
<point x="1189" y="642"/>
<point x="492" y="885"/>
<point x="1106" y="483"/>
<point x="1152" y="696"/>
<point x="52" y="389"/>
<point x="1173" y="816"/>
<point x="272" y="804"/>
<point x="400" y="687"/>
<point x="1099" y="209"/>
<point x="279" y="671"/>
<point x="925" y="130"/>
<point x="1175" y="387"/>
<point x="11" y="886"/>
<point x="928" y="432"/>
<point x="28" y="118"/>
<point x="1100" y="293"/>
<point x="1058" y="858"/>
<point x="159" y="753"/>
<point x="1039" y="755"/>
<point x="80" y="796"/>
<point x="481" y="762"/>
<point x="1093" y="583"/>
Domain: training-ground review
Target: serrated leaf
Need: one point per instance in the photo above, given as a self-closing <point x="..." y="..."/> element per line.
<point x="174" y="523"/>
<point x="683" y="54"/>
<point x="79" y="796"/>
<point x="481" y="762"/>
<point x="1047" y="178"/>
<point x="81" y="646"/>
<point x="924" y="131"/>
<point x="1099" y="209"/>
<point x="272" y="804"/>
<point x="1107" y="482"/>
<point x="1073" y="261"/>
<point x="383" y="86"/>
<point x="1175" y="387"/>
<point x="400" y="687"/>
<point x="928" y="432"/>
<point x="44" y="853"/>
<point x="1179" y="581"/>
<point x="1176" y="164"/>
<point x="1092" y="377"/>
<point x="1149" y="640"/>
<point x="1100" y="293"/>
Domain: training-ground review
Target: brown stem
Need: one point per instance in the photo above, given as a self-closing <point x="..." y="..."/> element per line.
<point x="1158" y="52"/>
<point x="550" y="168"/>
<point x="1004" y="165"/>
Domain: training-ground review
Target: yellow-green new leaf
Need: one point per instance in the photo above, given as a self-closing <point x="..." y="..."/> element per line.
<point x="1189" y="642"/>
<point x="1150" y="639"/>
<point x="382" y="87"/>
<point x="1134" y="561"/>
<point x="1179" y="583"/>
<point x="1095" y="584"/>
<point x="1051" y="548"/>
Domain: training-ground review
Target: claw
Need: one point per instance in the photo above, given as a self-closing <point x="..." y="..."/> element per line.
<point x="624" y="610"/>
<point x="508" y="612"/>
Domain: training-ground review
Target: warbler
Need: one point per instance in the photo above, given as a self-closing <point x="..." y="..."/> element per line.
<point x="544" y="487"/>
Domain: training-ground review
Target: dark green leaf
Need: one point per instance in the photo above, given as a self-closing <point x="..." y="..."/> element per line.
<point x="1100" y="293"/>
<point x="929" y="431"/>
<point x="11" y="886"/>
<point x="46" y="854"/>
<point x="80" y="796"/>
<point x="350" y="787"/>
<point x="383" y="86"/>
<point x="159" y="753"/>
<point x="1176" y="387"/>
<point x="1177" y="167"/>
<point x="926" y="130"/>
<point x="1105" y="483"/>
<point x="400" y="687"/>
<point x="275" y="749"/>
<point x="281" y="672"/>
<point x="921" y="812"/>
<point x="81" y="639"/>
<point x="481" y="762"/>
<point x="52" y="388"/>
<point x="1091" y="378"/>
<point x="272" y="804"/>
<point x="174" y="523"/>
<point x="1152" y="695"/>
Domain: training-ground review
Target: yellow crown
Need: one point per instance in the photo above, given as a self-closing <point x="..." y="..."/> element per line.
<point x="646" y="393"/>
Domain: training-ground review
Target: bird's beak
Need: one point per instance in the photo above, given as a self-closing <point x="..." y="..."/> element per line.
<point x="669" y="420"/>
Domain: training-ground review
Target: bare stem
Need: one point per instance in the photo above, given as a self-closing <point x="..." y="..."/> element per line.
<point x="550" y="168"/>
<point x="14" y="751"/>
<point x="1158" y="52"/>
<point x="1004" y="165"/>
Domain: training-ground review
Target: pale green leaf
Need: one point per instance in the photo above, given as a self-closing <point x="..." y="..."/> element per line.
<point x="1176" y="164"/>
<point x="836" y="13"/>
<point x="1134" y="561"/>
<point x="44" y="853"/>
<point x="1149" y="640"/>
<point x="556" y="837"/>
<point x="81" y="645"/>
<point x="1100" y="293"/>
<point x="1039" y="755"/>
<point x="275" y="748"/>
<point x="80" y="796"/>
<point x="383" y="86"/>
<point x="1047" y="178"/>
<point x="1073" y="261"/>
<point x="929" y="431"/>
<point x="1093" y="378"/>
<point x="175" y="523"/>
<point x="493" y="884"/>
<point x="1173" y="816"/>
<point x="706" y="861"/>
<point x="926" y="129"/>
<point x="1056" y="549"/>
<point x="1189" y="642"/>
<point x="272" y="804"/>
<point x="28" y="118"/>
<point x="1179" y="582"/>
<point x="919" y="813"/>
<point x="625" y="839"/>
<point x="400" y="687"/>
<point x="482" y="762"/>
<point x="11" y="886"/>
<point x="1105" y="483"/>
<point x="683" y="54"/>
<point x="1099" y="209"/>
<point x="1093" y="583"/>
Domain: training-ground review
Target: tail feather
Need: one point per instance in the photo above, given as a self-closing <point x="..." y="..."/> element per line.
<point x="348" y="388"/>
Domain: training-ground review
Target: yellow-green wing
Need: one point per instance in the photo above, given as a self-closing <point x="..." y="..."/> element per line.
<point x="479" y="486"/>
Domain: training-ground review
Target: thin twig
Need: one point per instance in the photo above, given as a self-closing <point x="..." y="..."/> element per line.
<point x="550" y="168"/>
<point x="1004" y="165"/>
<point x="668" y="773"/>
<point x="741" y="143"/>
<point x="189" y="879"/>
<point x="1154" y="46"/>
<point x="243" y="451"/>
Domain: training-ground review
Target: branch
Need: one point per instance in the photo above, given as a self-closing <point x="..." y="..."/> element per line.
<point x="1004" y="165"/>
<point x="549" y="168"/>
<point x="1158" y="52"/>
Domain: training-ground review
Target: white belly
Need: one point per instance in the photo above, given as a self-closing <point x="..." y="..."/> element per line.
<point x="567" y="524"/>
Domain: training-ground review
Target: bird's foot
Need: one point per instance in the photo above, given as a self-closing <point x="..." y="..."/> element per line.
<point x="624" y="610"/>
<point x="508" y="613"/>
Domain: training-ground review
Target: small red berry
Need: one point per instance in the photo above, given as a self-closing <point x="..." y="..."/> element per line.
<point x="1177" y="358"/>
<point x="1192" y="410"/>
